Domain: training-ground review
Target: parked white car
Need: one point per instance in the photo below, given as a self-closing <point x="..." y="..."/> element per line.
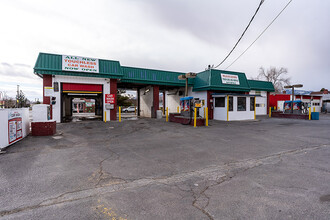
<point x="129" y="109"/>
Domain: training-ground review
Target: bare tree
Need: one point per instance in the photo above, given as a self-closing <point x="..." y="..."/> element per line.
<point x="276" y="76"/>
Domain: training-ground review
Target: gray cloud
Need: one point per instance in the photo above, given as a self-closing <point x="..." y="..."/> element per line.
<point x="177" y="35"/>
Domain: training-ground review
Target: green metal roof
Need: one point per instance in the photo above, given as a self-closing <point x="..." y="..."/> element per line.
<point x="151" y="76"/>
<point x="261" y="85"/>
<point x="206" y="80"/>
<point x="211" y="80"/>
<point x="52" y="64"/>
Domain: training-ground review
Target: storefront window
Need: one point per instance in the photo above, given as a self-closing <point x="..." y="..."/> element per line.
<point x="220" y="102"/>
<point x="231" y="103"/>
<point x="241" y="103"/>
<point x="252" y="103"/>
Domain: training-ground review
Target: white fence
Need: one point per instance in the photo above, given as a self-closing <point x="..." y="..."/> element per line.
<point x="14" y="125"/>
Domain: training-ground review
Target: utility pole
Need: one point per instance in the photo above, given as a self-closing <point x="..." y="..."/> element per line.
<point x="17" y="96"/>
<point x="292" y="87"/>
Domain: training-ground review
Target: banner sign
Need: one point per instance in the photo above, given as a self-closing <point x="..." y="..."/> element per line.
<point x="80" y="64"/>
<point x="109" y="98"/>
<point x="229" y="79"/>
<point x="14" y="126"/>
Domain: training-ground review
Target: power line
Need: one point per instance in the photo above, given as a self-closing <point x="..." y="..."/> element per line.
<point x="260" y="34"/>
<point x="262" y="1"/>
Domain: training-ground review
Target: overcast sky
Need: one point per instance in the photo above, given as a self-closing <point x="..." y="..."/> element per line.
<point x="178" y="35"/>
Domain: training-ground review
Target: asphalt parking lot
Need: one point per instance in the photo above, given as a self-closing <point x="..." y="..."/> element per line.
<point x="152" y="169"/>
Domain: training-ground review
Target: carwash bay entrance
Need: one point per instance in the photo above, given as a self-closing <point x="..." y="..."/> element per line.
<point x="68" y="77"/>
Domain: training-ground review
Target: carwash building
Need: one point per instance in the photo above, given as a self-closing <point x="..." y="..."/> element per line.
<point x="228" y="95"/>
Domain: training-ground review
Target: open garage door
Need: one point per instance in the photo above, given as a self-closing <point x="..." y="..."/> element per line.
<point x="86" y="93"/>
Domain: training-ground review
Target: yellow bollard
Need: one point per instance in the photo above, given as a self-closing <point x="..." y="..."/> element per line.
<point x="166" y="114"/>
<point x="206" y="117"/>
<point x="274" y="107"/>
<point x="313" y="109"/>
<point x="178" y="109"/>
<point x="105" y="116"/>
<point x="119" y="114"/>
<point x="195" y="116"/>
<point x="309" y="113"/>
<point x="270" y="111"/>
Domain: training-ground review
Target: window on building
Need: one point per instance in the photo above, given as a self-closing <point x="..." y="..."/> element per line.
<point x="258" y="105"/>
<point x="231" y="103"/>
<point x="241" y="103"/>
<point x="316" y="104"/>
<point x="220" y="102"/>
<point x="252" y="103"/>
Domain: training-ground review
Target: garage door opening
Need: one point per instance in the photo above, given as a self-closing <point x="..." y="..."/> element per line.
<point x="128" y="103"/>
<point x="84" y="109"/>
<point x="81" y="102"/>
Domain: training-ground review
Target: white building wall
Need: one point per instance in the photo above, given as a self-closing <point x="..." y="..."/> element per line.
<point x="83" y="80"/>
<point x="202" y="95"/>
<point x="220" y="113"/>
<point x="172" y="100"/>
<point x="260" y="101"/>
<point x="146" y="101"/>
<point x="4" y="118"/>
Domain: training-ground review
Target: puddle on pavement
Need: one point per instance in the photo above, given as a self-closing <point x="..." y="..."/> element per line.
<point x="325" y="198"/>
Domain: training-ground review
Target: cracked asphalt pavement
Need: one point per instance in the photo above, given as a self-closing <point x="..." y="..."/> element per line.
<point x="150" y="169"/>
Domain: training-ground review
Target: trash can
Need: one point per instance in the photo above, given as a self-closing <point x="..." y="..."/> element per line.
<point x="315" y="115"/>
<point x="159" y="114"/>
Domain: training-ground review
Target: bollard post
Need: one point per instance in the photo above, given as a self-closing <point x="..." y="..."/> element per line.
<point x="313" y="109"/>
<point x="105" y="116"/>
<point x="206" y="117"/>
<point x="309" y="113"/>
<point x="119" y="113"/>
<point x="195" y="114"/>
<point x="255" y="101"/>
<point x="166" y="114"/>
<point x="178" y="109"/>
<point x="270" y="111"/>
<point x="227" y="107"/>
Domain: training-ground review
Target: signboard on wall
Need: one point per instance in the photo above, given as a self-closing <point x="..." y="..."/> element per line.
<point x="229" y="79"/>
<point x="14" y="126"/>
<point x="80" y="64"/>
<point x="109" y="98"/>
<point x="48" y="91"/>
